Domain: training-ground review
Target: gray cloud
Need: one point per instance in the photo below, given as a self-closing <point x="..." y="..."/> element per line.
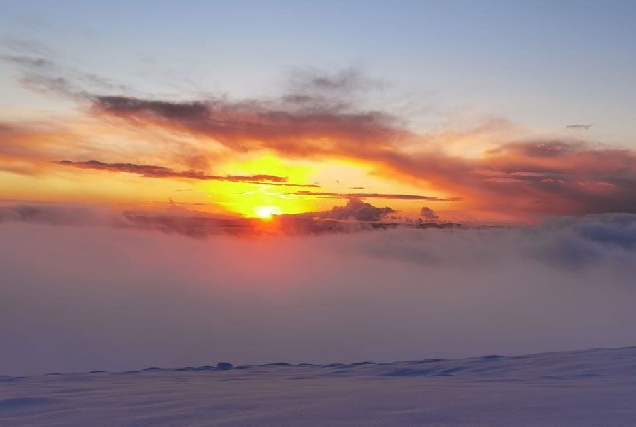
<point x="579" y="127"/>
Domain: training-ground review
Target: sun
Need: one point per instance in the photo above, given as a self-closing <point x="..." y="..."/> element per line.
<point x="266" y="212"/>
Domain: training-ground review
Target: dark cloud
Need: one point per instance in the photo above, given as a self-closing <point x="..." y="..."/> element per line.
<point x="579" y="127"/>
<point x="428" y="214"/>
<point x="356" y="209"/>
<point x="120" y="105"/>
<point x="373" y="196"/>
<point x="315" y="131"/>
<point x="153" y="171"/>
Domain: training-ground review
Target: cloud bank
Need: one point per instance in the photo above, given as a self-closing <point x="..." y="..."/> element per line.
<point x="84" y="297"/>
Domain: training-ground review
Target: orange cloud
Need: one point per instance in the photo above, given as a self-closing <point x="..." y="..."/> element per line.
<point x="317" y="119"/>
<point x="522" y="179"/>
<point x="25" y="146"/>
<point x="293" y="130"/>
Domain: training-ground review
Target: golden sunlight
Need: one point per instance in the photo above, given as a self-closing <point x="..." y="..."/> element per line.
<point x="249" y="199"/>
<point x="266" y="212"/>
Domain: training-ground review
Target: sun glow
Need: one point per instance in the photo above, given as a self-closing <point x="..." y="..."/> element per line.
<point x="266" y="212"/>
<point x="262" y="200"/>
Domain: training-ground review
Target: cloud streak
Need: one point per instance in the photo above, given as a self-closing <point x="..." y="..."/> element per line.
<point x="393" y="196"/>
<point x="153" y="171"/>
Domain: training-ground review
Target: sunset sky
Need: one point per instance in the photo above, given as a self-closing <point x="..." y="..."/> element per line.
<point x="187" y="182"/>
<point x="490" y="111"/>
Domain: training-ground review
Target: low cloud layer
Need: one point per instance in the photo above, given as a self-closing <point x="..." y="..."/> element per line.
<point x="84" y="297"/>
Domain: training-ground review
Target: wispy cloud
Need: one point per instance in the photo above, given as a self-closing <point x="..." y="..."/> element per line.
<point x="41" y="72"/>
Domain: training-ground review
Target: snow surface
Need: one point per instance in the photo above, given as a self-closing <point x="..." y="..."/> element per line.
<point x="580" y="388"/>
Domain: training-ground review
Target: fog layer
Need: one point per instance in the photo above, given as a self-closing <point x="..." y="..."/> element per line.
<point x="79" y="298"/>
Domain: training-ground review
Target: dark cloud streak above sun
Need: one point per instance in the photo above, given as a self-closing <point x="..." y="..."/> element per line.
<point x="305" y="131"/>
<point x="153" y="171"/>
